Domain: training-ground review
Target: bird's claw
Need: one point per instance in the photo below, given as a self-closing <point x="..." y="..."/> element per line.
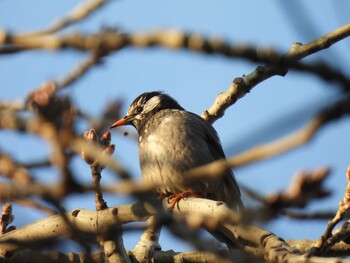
<point x="173" y="199"/>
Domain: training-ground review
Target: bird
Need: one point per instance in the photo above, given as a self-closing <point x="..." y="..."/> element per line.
<point x="172" y="141"/>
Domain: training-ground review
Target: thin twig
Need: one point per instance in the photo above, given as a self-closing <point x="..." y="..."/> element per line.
<point x="96" y="177"/>
<point x="319" y="215"/>
<point x="81" y="11"/>
<point x="79" y="71"/>
<point x="327" y="239"/>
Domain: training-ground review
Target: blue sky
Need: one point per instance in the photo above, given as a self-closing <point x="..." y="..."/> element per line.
<point x="273" y="108"/>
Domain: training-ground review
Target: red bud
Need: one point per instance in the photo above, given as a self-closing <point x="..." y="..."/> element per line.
<point x="109" y="149"/>
<point x="91" y="135"/>
<point x="106" y="138"/>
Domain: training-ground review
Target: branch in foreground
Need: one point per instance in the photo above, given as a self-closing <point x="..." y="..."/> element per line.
<point x="291" y="141"/>
<point x="258" y="241"/>
<point x="85" y="221"/>
<point x="340" y="249"/>
<point x="304" y="187"/>
<point x="319" y="215"/>
<point x="6" y="218"/>
<point x="254" y="239"/>
<point x="146" y="248"/>
<point x="30" y="256"/>
<point x="80" y="70"/>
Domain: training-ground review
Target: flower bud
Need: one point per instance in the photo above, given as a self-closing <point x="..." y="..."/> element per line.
<point x="109" y="149"/>
<point x="91" y="135"/>
<point x="106" y="139"/>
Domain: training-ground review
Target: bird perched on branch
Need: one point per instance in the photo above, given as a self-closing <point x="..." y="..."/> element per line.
<point x="173" y="141"/>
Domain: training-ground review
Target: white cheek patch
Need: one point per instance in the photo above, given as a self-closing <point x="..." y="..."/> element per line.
<point x="152" y="103"/>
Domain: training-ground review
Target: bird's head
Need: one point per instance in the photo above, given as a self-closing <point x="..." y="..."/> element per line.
<point x="146" y="105"/>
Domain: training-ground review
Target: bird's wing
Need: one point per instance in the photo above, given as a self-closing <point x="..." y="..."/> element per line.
<point x="231" y="188"/>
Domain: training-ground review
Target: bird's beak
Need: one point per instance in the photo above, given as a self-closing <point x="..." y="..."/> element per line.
<point x="124" y="121"/>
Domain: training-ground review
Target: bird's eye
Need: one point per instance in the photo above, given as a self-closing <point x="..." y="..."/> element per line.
<point x="139" y="109"/>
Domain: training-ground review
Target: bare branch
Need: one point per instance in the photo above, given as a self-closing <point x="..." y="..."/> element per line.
<point x="80" y="70"/>
<point x="81" y="11"/>
<point x="12" y="170"/>
<point x="30" y="256"/>
<point x="340" y="249"/>
<point x="112" y="243"/>
<point x="241" y="86"/>
<point x="290" y="142"/>
<point x="327" y="240"/>
<point x="17" y="105"/>
<point x="319" y="215"/>
<point x="147" y="246"/>
<point x="85" y="221"/>
<point x="6" y="218"/>
<point x="109" y="40"/>
<point x="255" y="240"/>
<point x="304" y="187"/>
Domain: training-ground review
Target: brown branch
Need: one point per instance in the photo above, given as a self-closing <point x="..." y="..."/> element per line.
<point x="148" y="244"/>
<point x="276" y="148"/>
<point x="96" y="168"/>
<point x="14" y="171"/>
<point x="319" y="215"/>
<point x="81" y="11"/>
<point x="241" y="86"/>
<point x="80" y="70"/>
<point x="112" y="243"/>
<point x="9" y="120"/>
<point x="340" y="249"/>
<point x="30" y="256"/>
<point x="96" y="178"/>
<point x="17" y="105"/>
<point x="85" y="221"/>
<point x="36" y="164"/>
<point x="95" y="152"/>
<point x="255" y="240"/>
<point x="291" y="141"/>
<point x="14" y="191"/>
<point x="327" y="240"/>
<point x="6" y="218"/>
<point x="109" y="40"/>
<point x="304" y="187"/>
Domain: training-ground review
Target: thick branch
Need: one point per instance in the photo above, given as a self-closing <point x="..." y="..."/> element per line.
<point x="86" y="221"/>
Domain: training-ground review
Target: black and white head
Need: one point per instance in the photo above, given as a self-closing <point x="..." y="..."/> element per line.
<point x="146" y="105"/>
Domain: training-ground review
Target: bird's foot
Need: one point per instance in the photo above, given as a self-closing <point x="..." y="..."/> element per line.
<point x="175" y="198"/>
